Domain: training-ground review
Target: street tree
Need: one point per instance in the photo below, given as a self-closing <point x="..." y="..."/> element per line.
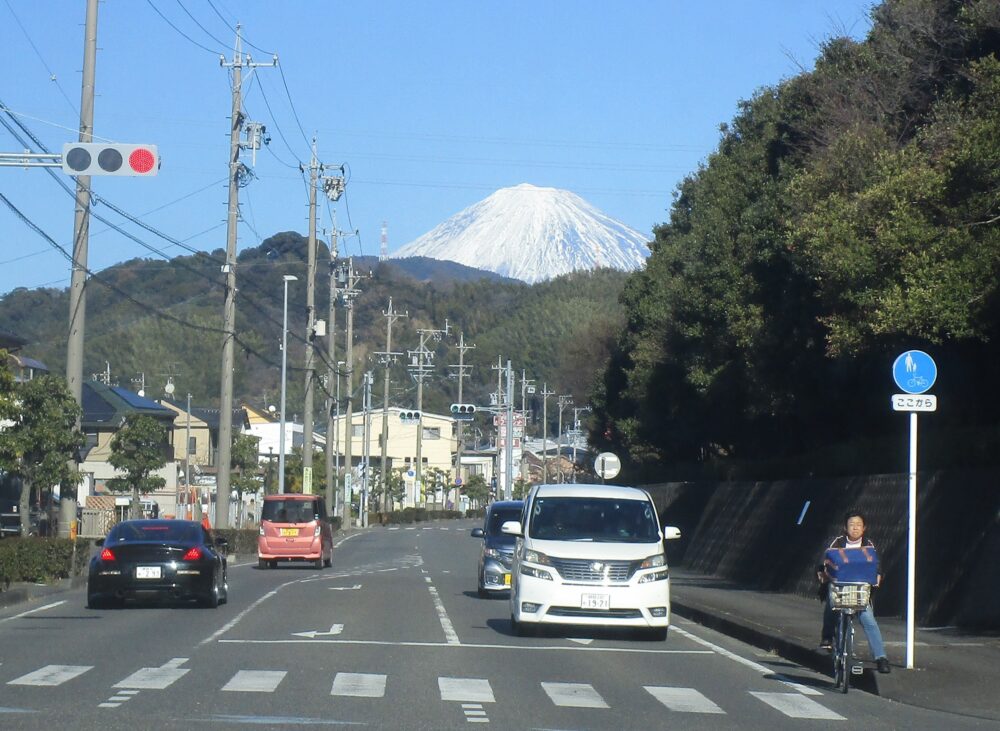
<point x="42" y="442"/>
<point x="245" y="467"/>
<point x="138" y="449"/>
<point x="477" y="490"/>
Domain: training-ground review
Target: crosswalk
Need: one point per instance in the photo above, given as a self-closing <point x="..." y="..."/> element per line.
<point x="473" y="694"/>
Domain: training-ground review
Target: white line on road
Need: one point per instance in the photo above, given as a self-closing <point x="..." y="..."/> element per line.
<point x="155" y="678"/>
<point x="529" y="648"/>
<point x="797" y="706"/>
<point x="51" y="675"/>
<point x="359" y="685"/>
<point x="765" y="671"/>
<point x="467" y="690"/>
<point x="449" y="631"/>
<point x="32" y="611"/>
<point x="255" y="681"/>
<point x="575" y="695"/>
<point x="683" y="700"/>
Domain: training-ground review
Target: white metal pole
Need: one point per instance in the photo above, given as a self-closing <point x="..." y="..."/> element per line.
<point x="911" y="557"/>
<point x="284" y="365"/>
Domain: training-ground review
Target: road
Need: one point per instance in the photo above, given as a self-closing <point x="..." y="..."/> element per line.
<point x="393" y="636"/>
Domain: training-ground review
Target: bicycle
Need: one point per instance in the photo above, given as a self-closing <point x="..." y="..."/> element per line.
<point x="847" y="599"/>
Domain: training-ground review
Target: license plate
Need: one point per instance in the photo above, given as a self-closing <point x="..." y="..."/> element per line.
<point x="147" y="572"/>
<point x="288" y="531"/>
<point x="595" y="601"/>
<point x="506" y="579"/>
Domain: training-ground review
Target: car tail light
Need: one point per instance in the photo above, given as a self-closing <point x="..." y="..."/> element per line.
<point x="107" y="555"/>
<point x="193" y="554"/>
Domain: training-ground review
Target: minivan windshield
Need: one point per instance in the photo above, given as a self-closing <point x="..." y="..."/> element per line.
<point x="289" y="511"/>
<point x="498" y="518"/>
<point x="602" y="520"/>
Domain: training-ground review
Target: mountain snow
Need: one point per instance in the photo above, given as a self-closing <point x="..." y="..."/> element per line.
<point x="532" y="234"/>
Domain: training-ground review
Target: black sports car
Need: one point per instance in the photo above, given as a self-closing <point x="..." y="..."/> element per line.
<point x="165" y="559"/>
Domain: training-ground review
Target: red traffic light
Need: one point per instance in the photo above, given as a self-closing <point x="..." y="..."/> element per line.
<point x="99" y="158"/>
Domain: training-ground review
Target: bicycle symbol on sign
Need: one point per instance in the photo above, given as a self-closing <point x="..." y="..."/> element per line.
<point x="917" y="382"/>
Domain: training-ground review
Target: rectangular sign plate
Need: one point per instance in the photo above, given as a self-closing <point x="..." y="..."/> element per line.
<point x="911" y="402"/>
<point x="147" y="572"/>
<point x="595" y="601"/>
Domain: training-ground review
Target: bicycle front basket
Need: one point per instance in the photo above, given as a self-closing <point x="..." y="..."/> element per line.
<point x="849" y="596"/>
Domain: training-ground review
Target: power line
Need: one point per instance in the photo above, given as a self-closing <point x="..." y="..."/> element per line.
<point x="292" y="105"/>
<point x="52" y="76"/>
<point x="205" y="30"/>
<point x="179" y="31"/>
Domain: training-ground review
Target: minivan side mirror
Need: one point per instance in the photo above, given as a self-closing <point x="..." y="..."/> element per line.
<point x="511" y="528"/>
<point x="477" y="532"/>
<point x="671" y="533"/>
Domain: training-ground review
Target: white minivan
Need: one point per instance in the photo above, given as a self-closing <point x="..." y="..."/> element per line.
<point x="590" y="555"/>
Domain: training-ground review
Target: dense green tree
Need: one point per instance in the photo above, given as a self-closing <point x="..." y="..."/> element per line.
<point x="245" y="467"/>
<point x="138" y="449"/>
<point x="42" y="442"/>
<point x="476" y="489"/>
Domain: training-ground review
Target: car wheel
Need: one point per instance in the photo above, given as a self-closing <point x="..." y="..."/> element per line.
<point x="211" y="599"/>
<point x="273" y="563"/>
<point x="328" y="562"/>
<point x="96" y="601"/>
<point x="224" y="594"/>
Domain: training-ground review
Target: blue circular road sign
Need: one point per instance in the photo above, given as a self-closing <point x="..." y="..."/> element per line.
<point x="914" y="371"/>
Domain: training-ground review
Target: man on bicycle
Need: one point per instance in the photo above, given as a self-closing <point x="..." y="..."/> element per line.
<point x="853" y="537"/>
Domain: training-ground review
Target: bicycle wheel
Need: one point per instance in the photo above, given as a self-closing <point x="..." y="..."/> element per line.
<point x="848" y="657"/>
<point x="839" y="665"/>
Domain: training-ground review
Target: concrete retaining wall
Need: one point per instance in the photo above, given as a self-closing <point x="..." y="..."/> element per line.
<point x="755" y="533"/>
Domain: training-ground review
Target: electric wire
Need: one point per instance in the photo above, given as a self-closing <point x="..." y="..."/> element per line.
<point x="203" y="28"/>
<point x="292" y="104"/>
<point x="52" y="76"/>
<point x="179" y="31"/>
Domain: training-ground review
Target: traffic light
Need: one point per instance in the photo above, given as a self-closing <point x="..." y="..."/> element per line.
<point x="103" y="158"/>
<point x="463" y="412"/>
<point x="408" y="416"/>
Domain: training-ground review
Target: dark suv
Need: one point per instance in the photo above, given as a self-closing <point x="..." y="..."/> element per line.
<point x="498" y="548"/>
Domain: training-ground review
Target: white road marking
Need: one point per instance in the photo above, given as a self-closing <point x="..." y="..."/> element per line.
<point x="795" y="705"/>
<point x="155" y="678"/>
<point x="683" y="700"/>
<point x="580" y="640"/>
<point x="255" y="681"/>
<point x="51" y="675"/>
<point x="349" y="588"/>
<point x="477" y="646"/>
<point x="765" y="671"/>
<point x="359" y="685"/>
<point x="449" y="631"/>
<point x="335" y="629"/>
<point x="576" y="695"/>
<point x="32" y="611"/>
<point x="108" y="705"/>
<point x="468" y="690"/>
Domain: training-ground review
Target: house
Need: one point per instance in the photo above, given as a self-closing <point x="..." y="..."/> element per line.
<point x="105" y="409"/>
<point x="23" y="367"/>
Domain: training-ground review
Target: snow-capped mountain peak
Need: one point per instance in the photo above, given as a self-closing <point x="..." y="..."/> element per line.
<point x="532" y="234"/>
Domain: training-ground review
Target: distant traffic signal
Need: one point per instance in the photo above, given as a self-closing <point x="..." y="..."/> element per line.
<point x="463" y="412"/>
<point x="407" y="416"/>
<point x="101" y="158"/>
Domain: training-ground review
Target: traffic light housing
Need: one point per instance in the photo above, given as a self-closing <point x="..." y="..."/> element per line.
<point x="110" y="158"/>
<point x="408" y="416"/>
<point x="463" y="412"/>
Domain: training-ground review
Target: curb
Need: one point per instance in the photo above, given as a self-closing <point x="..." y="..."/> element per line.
<point x="768" y="641"/>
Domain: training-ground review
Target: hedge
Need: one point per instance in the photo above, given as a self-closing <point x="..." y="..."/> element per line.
<point x="41" y="559"/>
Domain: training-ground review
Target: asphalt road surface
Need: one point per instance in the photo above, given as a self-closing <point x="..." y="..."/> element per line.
<point x="393" y="636"/>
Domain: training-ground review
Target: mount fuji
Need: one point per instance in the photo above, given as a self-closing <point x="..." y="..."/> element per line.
<point x="532" y="234"/>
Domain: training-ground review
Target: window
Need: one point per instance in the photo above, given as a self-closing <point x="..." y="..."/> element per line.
<point x="432" y="432"/>
<point x="357" y="431"/>
<point x="192" y="445"/>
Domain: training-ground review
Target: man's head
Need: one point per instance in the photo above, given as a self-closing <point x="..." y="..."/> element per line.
<point x="854" y="523"/>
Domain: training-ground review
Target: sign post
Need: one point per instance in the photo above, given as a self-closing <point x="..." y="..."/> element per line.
<point x="914" y="372"/>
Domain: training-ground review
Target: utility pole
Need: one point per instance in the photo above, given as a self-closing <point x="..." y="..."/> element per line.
<point x="545" y="432"/>
<point x="387" y="358"/>
<point x="576" y="433"/>
<point x="421" y="365"/>
<point x="527" y="386"/>
<point x="349" y="279"/>
<point x="187" y="456"/>
<point x="237" y="175"/>
<point x="81" y="237"/>
<point x="461" y="373"/>
<point x="307" y="408"/>
<point x="332" y="479"/>
<point x="564" y="401"/>
<point x="367" y="380"/>
<point x="509" y="481"/>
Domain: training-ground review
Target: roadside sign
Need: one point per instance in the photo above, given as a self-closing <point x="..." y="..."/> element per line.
<point x="458" y="480"/>
<point x="914" y="371"/>
<point x="607" y="465"/>
<point x="914" y="402"/>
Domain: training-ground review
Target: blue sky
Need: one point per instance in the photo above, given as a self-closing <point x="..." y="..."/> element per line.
<point x="431" y="106"/>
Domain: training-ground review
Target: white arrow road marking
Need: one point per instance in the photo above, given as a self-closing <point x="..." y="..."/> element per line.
<point x="51" y="675"/>
<point x="335" y="629"/>
<point x="155" y="678"/>
<point x="346" y="588"/>
<point x="580" y="640"/>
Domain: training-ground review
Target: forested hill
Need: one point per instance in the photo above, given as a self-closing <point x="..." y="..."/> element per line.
<point x="163" y="318"/>
<point x="848" y="214"/>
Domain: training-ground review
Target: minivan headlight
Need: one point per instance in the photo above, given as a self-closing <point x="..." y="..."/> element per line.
<point x="492" y="553"/>
<point x="653" y="561"/>
<point x="537" y="557"/>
